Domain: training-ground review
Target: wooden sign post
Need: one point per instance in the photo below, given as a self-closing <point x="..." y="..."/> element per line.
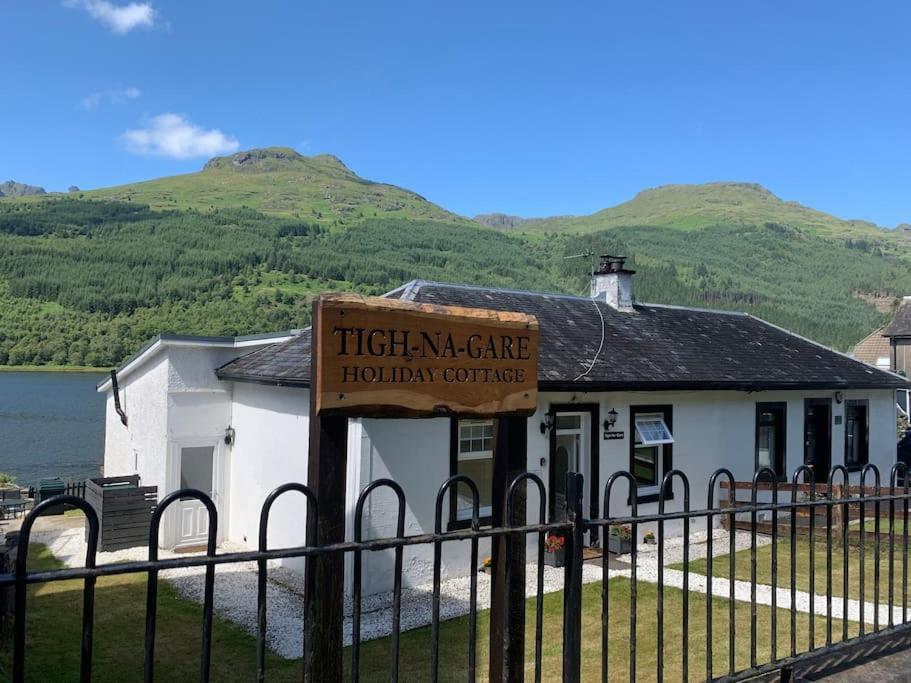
<point x="385" y="358"/>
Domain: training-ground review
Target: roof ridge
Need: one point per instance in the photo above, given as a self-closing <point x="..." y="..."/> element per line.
<point x="577" y="297"/>
<point x="508" y="290"/>
<point x="677" y="307"/>
<point x="400" y="288"/>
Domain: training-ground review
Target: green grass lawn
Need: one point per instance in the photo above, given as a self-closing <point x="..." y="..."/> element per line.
<point x="54" y="618"/>
<point x="721" y="567"/>
<point x="870" y="525"/>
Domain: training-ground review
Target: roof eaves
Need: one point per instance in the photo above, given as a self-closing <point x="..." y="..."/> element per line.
<point x="721" y="385"/>
<point x="271" y="381"/>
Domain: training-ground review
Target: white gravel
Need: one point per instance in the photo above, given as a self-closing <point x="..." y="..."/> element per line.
<point x="235" y="588"/>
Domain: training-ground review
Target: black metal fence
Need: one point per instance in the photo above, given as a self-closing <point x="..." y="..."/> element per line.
<point x="793" y="523"/>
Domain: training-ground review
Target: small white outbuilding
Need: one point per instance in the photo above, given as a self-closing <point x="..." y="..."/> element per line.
<point x="622" y="385"/>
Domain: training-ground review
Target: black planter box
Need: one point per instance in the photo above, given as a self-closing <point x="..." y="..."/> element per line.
<point x="619" y="546"/>
<point x="555" y="559"/>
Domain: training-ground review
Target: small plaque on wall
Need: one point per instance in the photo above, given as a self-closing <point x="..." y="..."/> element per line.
<point x="838" y="419"/>
<point x="613" y="436"/>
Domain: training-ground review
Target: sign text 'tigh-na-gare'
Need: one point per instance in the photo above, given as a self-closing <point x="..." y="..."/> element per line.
<point x="420" y="355"/>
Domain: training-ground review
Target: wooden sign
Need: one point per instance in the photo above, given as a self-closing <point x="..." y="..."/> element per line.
<point x="384" y="357"/>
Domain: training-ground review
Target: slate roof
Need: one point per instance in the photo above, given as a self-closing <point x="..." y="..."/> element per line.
<point x="654" y="348"/>
<point x="900" y="326"/>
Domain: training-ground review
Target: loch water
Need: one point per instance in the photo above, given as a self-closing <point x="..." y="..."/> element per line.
<point x="51" y="425"/>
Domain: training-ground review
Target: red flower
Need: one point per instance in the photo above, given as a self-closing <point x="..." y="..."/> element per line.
<point x="554" y="542"/>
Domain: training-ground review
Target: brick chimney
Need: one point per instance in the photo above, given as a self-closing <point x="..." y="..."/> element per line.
<point x="613" y="284"/>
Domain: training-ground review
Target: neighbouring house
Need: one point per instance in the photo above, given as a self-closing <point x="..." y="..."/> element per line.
<point x="622" y="385"/>
<point x="875" y="349"/>
<point x="889" y="348"/>
<point x="898" y="332"/>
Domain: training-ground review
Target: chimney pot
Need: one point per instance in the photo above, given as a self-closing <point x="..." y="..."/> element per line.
<point x="613" y="283"/>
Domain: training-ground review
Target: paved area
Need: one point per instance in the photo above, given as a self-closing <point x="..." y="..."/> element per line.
<point x="887" y="660"/>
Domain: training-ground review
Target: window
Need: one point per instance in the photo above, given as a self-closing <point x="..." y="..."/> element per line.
<point x="645" y="465"/>
<point x="651" y="431"/>
<point x="565" y="422"/>
<point x="474" y="458"/>
<point x="857" y="440"/>
<point x="771" y="424"/>
<point x="650" y="448"/>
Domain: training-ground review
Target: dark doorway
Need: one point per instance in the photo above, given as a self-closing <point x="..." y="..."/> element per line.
<point x="771" y="438"/>
<point x="817" y="436"/>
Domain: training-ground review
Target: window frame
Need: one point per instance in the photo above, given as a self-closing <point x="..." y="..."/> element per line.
<point x="865" y="444"/>
<point x="454" y="440"/>
<point x="665" y="457"/>
<point x="761" y="406"/>
<point x="658" y="455"/>
<point x="653" y="417"/>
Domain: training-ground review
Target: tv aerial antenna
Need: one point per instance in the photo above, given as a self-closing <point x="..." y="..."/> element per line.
<point x="589" y="254"/>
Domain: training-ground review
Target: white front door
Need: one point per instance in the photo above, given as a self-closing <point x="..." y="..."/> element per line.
<point x="197" y="471"/>
<point x="570" y="448"/>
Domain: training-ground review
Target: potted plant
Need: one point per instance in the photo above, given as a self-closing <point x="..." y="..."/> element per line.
<point x="555" y="550"/>
<point x="620" y="539"/>
<point x="649" y="537"/>
<point x="8" y="488"/>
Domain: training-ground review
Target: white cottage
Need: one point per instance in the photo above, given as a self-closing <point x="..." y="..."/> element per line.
<point x="622" y="385"/>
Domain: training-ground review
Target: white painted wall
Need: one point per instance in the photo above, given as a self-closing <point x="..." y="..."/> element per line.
<point x="172" y="400"/>
<point x="711" y="430"/>
<point x="270" y="448"/>
<point x="414" y="453"/>
<point x="139" y="448"/>
<point x="175" y="397"/>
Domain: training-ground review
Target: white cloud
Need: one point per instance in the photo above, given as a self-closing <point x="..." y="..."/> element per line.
<point x="172" y="135"/>
<point x="121" y="19"/>
<point x="95" y="99"/>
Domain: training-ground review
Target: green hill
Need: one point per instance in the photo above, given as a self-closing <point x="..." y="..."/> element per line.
<point x="278" y="180"/>
<point x="689" y="207"/>
<point x="243" y="245"/>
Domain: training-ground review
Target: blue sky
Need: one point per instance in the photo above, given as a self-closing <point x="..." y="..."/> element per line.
<point x="530" y="108"/>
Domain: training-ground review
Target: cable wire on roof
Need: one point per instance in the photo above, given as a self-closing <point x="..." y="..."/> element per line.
<point x="600" y="346"/>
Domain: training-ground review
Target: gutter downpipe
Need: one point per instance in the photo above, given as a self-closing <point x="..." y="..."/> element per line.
<point x="117" y="408"/>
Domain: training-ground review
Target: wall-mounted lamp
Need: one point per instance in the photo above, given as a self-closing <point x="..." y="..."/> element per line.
<point x="548" y="423"/>
<point x="229" y="436"/>
<point x="611" y="420"/>
<point x="839" y="397"/>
